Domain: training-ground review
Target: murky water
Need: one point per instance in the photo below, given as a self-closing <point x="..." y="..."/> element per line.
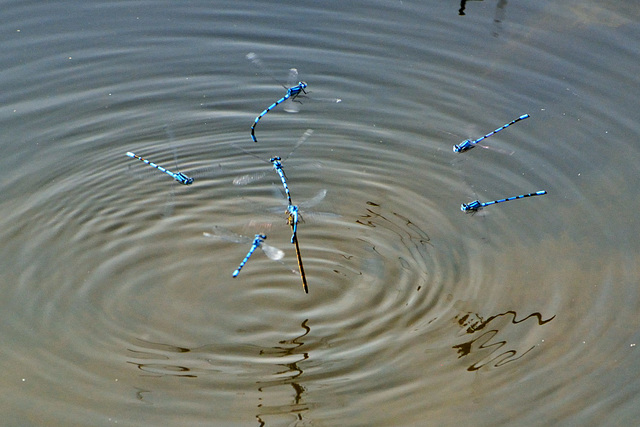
<point x="116" y="309"/>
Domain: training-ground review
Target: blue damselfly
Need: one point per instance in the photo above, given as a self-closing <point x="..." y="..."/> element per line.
<point x="259" y="238"/>
<point x="289" y="106"/>
<point x="468" y="144"/>
<point x="277" y="163"/>
<point x="292" y="93"/>
<point x="179" y="176"/>
<point x="292" y="220"/>
<point x="271" y="252"/>
<point x="477" y="205"/>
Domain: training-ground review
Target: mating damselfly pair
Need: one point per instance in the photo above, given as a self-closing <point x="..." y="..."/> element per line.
<point x="292" y="210"/>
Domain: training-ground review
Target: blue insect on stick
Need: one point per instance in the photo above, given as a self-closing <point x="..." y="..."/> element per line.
<point x="179" y="176"/>
<point x="468" y="144"/>
<point x="293" y="217"/>
<point x="476" y="205"/>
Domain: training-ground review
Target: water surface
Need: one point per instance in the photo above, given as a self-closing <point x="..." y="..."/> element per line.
<point x="117" y="310"/>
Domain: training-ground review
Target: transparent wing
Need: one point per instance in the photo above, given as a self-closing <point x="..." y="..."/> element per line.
<point x="304" y="206"/>
<point x="291" y="106"/>
<point x="248" y="178"/>
<point x="315" y="200"/>
<point x="207" y="172"/>
<point x="175" y="157"/>
<point x="303" y="138"/>
<point x="292" y="80"/>
<point x="221" y="233"/>
<point x="272" y="252"/>
<point x="278" y="192"/>
<point x="255" y="60"/>
<point x="495" y="149"/>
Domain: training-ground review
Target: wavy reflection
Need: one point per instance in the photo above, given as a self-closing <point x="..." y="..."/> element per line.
<point x="156" y="359"/>
<point x="402" y="226"/>
<point x="473" y="323"/>
<point x="501" y="7"/>
<point x="290" y="376"/>
<point x="404" y="231"/>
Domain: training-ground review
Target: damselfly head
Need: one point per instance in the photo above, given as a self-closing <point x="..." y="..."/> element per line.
<point x="463" y="146"/>
<point x="275" y="159"/>
<point x="183" y="179"/>
<point x="471" y="207"/>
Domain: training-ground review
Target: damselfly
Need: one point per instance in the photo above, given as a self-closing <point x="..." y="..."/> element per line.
<point x="477" y="205"/>
<point x="305" y="206"/>
<point x="276" y="161"/>
<point x="277" y="165"/>
<point x="200" y="173"/>
<point x="292" y="93"/>
<point x="289" y="106"/>
<point x="179" y="176"/>
<point x="271" y="252"/>
<point x="468" y="144"/>
<point x="303" y="210"/>
<point x="259" y="238"/>
<point x="292" y="219"/>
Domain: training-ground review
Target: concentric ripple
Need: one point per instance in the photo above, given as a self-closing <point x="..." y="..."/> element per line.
<point x="117" y="308"/>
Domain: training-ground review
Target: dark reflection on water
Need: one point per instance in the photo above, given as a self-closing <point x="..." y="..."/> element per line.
<point x="402" y="226"/>
<point x="291" y="375"/>
<point x="155" y="352"/>
<point x="473" y="323"/>
<point x="166" y="360"/>
<point x="406" y="234"/>
<point x="463" y="5"/>
<point x="140" y="394"/>
<point x="498" y="17"/>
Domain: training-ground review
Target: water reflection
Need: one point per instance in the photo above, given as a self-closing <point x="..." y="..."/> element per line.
<point x="473" y="322"/>
<point x="290" y="350"/>
<point x="140" y="395"/>
<point x="397" y="237"/>
<point x="498" y="17"/>
<point x="463" y="5"/>
<point x="156" y="359"/>
<point x="399" y="224"/>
